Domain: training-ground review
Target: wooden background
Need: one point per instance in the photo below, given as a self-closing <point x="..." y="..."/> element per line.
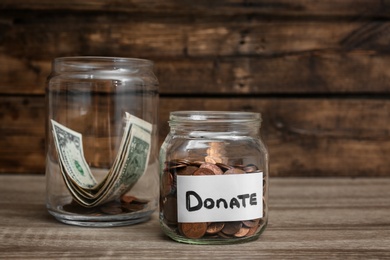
<point x="318" y="71"/>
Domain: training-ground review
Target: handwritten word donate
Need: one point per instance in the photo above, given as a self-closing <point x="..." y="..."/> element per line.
<point x="195" y="202"/>
<point x="213" y="198"/>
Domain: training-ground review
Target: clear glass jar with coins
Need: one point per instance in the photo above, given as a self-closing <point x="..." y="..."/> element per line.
<point x="101" y="141"/>
<point x="213" y="178"/>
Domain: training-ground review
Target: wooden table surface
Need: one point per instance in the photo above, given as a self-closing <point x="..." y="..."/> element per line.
<point x="309" y="219"/>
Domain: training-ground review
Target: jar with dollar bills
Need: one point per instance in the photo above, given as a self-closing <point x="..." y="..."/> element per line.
<point x="101" y="141"/>
<point x="213" y="178"/>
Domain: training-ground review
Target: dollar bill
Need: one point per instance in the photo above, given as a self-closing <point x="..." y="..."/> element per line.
<point x="134" y="164"/>
<point x="129" y="165"/>
<point x="133" y="120"/>
<point x="69" y="147"/>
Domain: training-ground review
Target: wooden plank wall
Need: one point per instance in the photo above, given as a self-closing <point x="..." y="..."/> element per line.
<point x="318" y="71"/>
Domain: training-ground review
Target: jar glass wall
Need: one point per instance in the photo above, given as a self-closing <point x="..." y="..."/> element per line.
<point x="97" y="107"/>
<point x="213" y="178"/>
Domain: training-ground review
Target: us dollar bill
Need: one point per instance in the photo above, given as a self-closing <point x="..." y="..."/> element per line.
<point x="129" y="165"/>
<point x="69" y="147"/>
<point x="134" y="165"/>
<point x="133" y="120"/>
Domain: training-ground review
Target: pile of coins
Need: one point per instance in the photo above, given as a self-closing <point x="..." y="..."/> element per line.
<point x="126" y="204"/>
<point x="168" y="201"/>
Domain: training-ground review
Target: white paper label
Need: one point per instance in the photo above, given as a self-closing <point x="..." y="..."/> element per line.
<point x="217" y="198"/>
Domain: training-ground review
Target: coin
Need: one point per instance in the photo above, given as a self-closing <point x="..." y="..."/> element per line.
<point x="184" y="161"/>
<point x="252" y="231"/>
<point x="222" y="235"/>
<point x="234" y="171"/>
<point x="242" y="232"/>
<point x="127" y="199"/>
<point x="204" y="171"/>
<point x="196" y="163"/>
<point x="210" y="159"/>
<point x="189" y="170"/>
<point x="231" y="228"/>
<point x="250" y="168"/>
<point x="176" y="166"/>
<point x="166" y="183"/>
<point x="193" y="230"/>
<point x="251" y="223"/>
<point x="132" y="207"/>
<point x="169" y="208"/>
<point x="177" y="162"/>
<point x="213" y="167"/>
<point x="215" y="227"/>
<point x="224" y="167"/>
<point x="140" y="201"/>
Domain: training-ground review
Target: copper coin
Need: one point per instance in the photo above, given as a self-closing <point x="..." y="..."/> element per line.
<point x="234" y="171"/>
<point x="177" y="162"/>
<point x="251" y="223"/>
<point x="189" y="170"/>
<point x="140" y="201"/>
<point x="132" y="207"/>
<point x="215" y="227"/>
<point x="242" y="232"/>
<point x="250" y="168"/>
<point x="210" y="159"/>
<point x="252" y="231"/>
<point x="193" y="230"/>
<point x="196" y="163"/>
<point x="221" y="234"/>
<point x="127" y="198"/>
<point x="169" y="209"/>
<point x="184" y="161"/>
<point x="224" y="167"/>
<point x="132" y="199"/>
<point x="239" y="166"/>
<point x="232" y="228"/>
<point x="176" y="166"/>
<point x="213" y="167"/>
<point x="203" y="171"/>
<point x="166" y="183"/>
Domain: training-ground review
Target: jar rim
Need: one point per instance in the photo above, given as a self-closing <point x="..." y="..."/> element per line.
<point x="97" y="62"/>
<point x="214" y="116"/>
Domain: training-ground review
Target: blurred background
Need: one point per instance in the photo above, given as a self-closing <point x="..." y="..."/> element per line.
<point x="318" y="71"/>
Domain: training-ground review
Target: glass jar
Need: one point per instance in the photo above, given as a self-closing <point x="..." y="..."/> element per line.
<point x="213" y="178"/>
<point x="101" y="141"/>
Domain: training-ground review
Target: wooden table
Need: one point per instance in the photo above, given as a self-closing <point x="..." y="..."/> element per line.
<point x="309" y="219"/>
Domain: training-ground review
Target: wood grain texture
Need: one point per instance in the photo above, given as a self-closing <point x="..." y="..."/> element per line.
<point x="317" y="70"/>
<point x="310" y="73"/>
<point x="336" y="138"/>
<point x="312" y="137"/>
<point x="178" y="37"/>
<point x="308" y="218"/>
<point x="222" y="7"/>
<point x="236" y="56"/>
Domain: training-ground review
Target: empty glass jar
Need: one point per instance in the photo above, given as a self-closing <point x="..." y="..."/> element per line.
<point x="101" y="149"/>
<point x="213" y="178"/>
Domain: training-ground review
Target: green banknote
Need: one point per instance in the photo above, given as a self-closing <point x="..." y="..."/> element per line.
<point x="70" y="151"/>
<point x="129" y="165"/>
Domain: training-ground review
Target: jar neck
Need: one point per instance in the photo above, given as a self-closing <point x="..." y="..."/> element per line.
<point x="100" y="64"/>
<point x="203" y="123"/>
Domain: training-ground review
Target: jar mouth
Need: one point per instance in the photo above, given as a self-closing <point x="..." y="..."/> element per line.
<point x="84" y="63"/>
<point x="214" y="116"/>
